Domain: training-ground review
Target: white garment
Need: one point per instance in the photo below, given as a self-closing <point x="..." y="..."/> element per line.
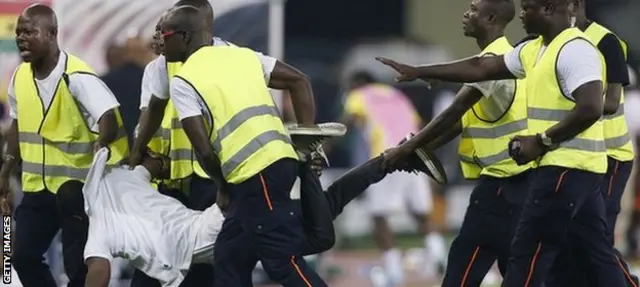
<point x="578" y="64"/>
<point x="158" y="81"/>
<point x="129" y="219"/>
<point x="145" y="94"/>
<point x="93" y="96"/>
<point x="398" y="190"/>
<point x="498" y="97"/>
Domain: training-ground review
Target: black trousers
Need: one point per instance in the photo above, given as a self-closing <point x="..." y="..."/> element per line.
<point x="263" y="223"/>
<point x="562" y="204"/>
<point x="38" y="218"/>
<point x="202" y="194"/>
<point x="487" y="230"/>
<point x="578" y="273"/>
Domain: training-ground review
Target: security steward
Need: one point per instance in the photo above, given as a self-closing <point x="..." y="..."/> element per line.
<point x="491" y="113"/>
<point x="61" y="113"/>
<point x="220" y="94"/>
<point x="565" y="92"/>
<point x="619" y="150"/>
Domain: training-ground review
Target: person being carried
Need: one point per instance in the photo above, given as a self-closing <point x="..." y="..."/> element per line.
<point x="162" y="237"/>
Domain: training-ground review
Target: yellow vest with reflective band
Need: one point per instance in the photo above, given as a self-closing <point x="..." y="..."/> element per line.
<point x="547" y="105"/>
<point x="616" y="134"/>
<point x="247" y="133"/>
<point x="55" y="144"/>
<point x="491" y="138"/>
<point x="160" y="142"/>
<point x="183" y="161"/>
<point x="466" y="152"/>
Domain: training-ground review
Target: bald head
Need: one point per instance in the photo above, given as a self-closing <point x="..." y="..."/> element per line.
<point x="42" y="15"/>
<point x="183" y="18"/>
<point x="203" y="5"/>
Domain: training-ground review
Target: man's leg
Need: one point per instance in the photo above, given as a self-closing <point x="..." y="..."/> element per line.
<point x="262" y="222"/>
<point x="616" y="180"/>
<point x="36" y="225"/>
<point x="485" y="224"/>
<point x="555" y="196"/>
<point x="75" y="229"/>
<point x="381" y="199"/>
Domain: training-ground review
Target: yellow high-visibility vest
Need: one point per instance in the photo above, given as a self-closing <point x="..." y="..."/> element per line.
<point x="547" y="105"/>
<point x="247" y="133"/>
<point x="466" y="153"/>
<point x="490" y="137"/>
<point x="616" y="134"/>
<point x="56" y="145"/>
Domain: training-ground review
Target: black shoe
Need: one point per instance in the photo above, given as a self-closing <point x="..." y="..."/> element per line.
<point x="425" y="161"/>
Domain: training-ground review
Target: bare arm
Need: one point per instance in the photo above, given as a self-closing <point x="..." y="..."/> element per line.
<point x="12" y="155"/>
<point x="150" y="120"/>
<point x="286" y="77"/>
<point x="612" y="98"/>
<point x="98" y="273"/>
<point x="195" y="130"/>
<point x="469" y="70"/>
<point x="466" y="98"/>
<point x="108" y="127"/>
<point x="445" y="138"/>
<point x="587" y="111"/>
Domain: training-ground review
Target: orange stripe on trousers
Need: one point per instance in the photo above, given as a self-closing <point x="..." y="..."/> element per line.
<point x="532" y="267"/>
<point x="626" y="274"/>
<point x="266" y="193"/>
<point x="293" y="262"/>
<point x="466" y="272"/>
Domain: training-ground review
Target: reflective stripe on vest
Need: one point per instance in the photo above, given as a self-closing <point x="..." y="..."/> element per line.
<point x="616" y="134"/>
<point x="466" y="152"/>
<point x="56" y="145"/>
<point x="547" y="105"/>
<point x="491" y="137"/>
<point x="248" y="134"/>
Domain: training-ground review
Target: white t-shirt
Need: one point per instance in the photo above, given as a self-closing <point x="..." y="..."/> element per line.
<point x="93" y="96"/>
<point x="145" y="94"/>
<point x="498" y="97"/>
<point x="158" y="80"/>
<point x="578" y="64"/>
<point x="129" y="219"/>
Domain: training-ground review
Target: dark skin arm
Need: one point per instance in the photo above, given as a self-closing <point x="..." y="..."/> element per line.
<point x="439" y="131"/>
<point x="469" y="70"/>
<point x="150" y="120"/>
<point x="197" y="133"/>
<point x="10" y="160"/>
<point x="286" y="77"/>
<point x="612" y="98"/>
<point x="98" y="273"/>
<point x="587" y="111"/>
<point x="466" y="98"/>
<point x="108" y="126"/>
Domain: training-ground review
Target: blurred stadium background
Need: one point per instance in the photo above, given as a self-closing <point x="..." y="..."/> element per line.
<point x="328" y="40"/>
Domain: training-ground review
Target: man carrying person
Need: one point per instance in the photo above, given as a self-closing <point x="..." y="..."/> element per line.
<point x="228" y="114"/>
<point x="61" y="113"/>
<point x="564" y="88"/>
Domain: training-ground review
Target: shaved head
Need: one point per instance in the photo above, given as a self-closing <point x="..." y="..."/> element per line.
<point x="183" y="18"/>
<point x="184" y="31"/>
<point x="203" y="5"/>
<point x="43" y="15"/>
<point x="504" y="10"/>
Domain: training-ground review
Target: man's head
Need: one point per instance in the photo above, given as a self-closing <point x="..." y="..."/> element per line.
<point x="158" y="165"/>
<point x="359" y="79"/>
<point x="205" y="8"/>
<point x="157" y="43"/>
<point x="36" y="32"/>
<point x="183" y="30"/>
<point x="487" y="15"/>
<point x="538" y="16"/>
